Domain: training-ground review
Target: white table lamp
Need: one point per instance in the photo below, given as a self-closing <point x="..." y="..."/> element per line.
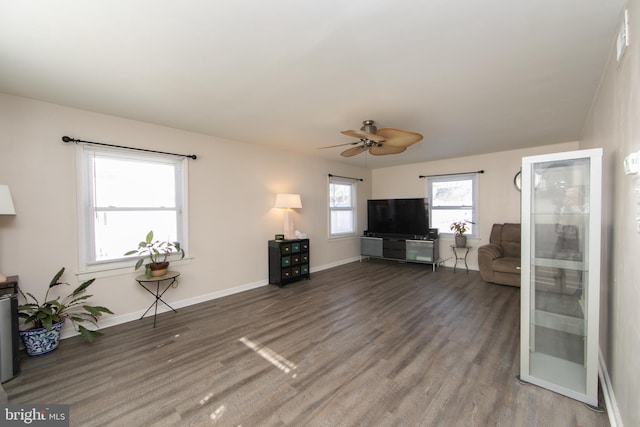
<point x="287" y="202"/>
<point x="6" y="208"/>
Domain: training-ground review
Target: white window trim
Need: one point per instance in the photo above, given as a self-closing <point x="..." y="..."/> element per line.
<point x="474" y="208"/>
<point x="121" y="266"/>
<point x="354" y="207"/>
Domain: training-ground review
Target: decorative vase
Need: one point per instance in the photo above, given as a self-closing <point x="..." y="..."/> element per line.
<point x="461" y="241"/>
<point x="157" y="269"/>
<point x="41" y="341"/>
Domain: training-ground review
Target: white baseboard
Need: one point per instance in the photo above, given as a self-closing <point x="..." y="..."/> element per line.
<point x="68" y="332"/>
<point x="607" y="391"/>
<point x="335" y="264"/>
<point x="124" y="318"/>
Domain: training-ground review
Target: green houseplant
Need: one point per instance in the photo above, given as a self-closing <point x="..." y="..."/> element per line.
<point x="44" y="320"/>
<point x="157" y="253"/>
<point x="460" y="227"/>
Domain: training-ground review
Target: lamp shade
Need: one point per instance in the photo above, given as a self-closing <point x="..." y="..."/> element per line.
<point x="286" y="200"/>
<point x="6" y="203"/>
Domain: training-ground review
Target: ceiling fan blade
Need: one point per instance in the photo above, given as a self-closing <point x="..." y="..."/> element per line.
<point x="398" y="137"/>
<point x="382" y="150"/>
<point x="360" y="134"/>
<point x="340" y="145"/>
<point x="354" y="150"/>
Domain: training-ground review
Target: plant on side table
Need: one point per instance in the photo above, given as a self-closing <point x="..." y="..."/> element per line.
<point x="44" y="321"/>
<point x="157" y="253"/>
<point x="461" y="227"/>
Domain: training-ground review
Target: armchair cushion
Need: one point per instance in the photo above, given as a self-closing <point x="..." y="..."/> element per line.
<point x="509" y="239"/>
<point x="507" y="265"/>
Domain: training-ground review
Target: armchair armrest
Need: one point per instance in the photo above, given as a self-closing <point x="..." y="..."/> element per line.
<point x="490" y="251"/>
<point x="486" y="254"/>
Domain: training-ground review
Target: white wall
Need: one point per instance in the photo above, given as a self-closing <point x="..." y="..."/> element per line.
<point x="614" y="125"/>
<point x="498" y="200"/>
<point x="232" y="188"/>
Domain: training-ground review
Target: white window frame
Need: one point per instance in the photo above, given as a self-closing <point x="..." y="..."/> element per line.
<point x="86" y="209"/>
<point x="473" y="209"/>
<point x="352" y="208"/>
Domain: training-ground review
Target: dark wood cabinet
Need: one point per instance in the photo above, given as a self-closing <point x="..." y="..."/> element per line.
<point x="288" y="261"/>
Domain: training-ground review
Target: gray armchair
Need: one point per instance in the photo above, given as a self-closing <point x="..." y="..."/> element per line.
<point x="499" y="260"/>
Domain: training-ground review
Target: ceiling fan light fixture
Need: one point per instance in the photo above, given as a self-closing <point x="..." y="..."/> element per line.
<point x="378" y="142"/>
<point x="369" y="127"/>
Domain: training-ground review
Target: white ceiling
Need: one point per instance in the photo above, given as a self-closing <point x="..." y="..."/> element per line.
<point x="471" y="76"/>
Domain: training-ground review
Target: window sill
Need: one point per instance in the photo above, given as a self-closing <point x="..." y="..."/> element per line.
<point x="119" y="269"/>
<point x="452" y="236"/>
<point x="343" y="237"/>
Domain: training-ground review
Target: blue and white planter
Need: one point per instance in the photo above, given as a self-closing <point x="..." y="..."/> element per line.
<point x="41" y="341"/>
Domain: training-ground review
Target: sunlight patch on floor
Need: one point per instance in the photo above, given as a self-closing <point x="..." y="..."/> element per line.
<point x="271" y="356"/>
<point x="217" y="413"/>
<point x="206" y="398"/>
<point x="161" y="345"/>
<point x="220" y="410"/>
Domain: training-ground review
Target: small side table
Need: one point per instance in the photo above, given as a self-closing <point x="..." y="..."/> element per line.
<point x="171" y="277"/>
<point x="461" y="256"/>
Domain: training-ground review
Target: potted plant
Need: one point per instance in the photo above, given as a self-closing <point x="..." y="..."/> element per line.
<point x="157" y="253"/>
<point x="461" y="227"/>
<point x="45" y="320"/>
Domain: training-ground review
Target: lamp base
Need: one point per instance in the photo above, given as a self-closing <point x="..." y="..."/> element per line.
<point x="289" y="227"/>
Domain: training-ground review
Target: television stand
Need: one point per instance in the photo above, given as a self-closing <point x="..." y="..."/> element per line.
<point x="407" y="249"/>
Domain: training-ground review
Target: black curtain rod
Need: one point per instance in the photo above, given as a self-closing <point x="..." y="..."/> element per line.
<point x="68" y="139"/>
<point x="345" y="177"/>
<point x="448" y="174"/>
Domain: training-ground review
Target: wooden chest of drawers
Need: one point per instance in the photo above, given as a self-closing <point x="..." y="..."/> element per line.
<point x="288" y="261"/>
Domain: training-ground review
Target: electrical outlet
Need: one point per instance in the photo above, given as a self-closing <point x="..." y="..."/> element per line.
<point x="632" y="163"/>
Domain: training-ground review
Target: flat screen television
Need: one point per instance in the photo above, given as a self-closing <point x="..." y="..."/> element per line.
<point x="398" y="216"/>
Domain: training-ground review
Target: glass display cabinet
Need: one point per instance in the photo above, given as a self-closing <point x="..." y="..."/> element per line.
<point x="561" y="205"/>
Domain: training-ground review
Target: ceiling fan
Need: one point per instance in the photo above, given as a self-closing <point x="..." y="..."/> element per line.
<point x="379" y="142"/>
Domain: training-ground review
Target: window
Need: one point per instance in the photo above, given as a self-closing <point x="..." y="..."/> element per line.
<point x="123" y="195"/>
<point x="342" y="211"/>
<point x="452" y="198"/>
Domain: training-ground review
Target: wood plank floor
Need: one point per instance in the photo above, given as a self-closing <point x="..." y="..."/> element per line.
<point x="376" y="343"/>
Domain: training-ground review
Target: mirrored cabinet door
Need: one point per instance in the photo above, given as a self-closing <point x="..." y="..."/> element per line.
<point x="561" y="228"/>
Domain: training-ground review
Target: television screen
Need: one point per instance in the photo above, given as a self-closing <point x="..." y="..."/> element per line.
<point x="398" y="216"/>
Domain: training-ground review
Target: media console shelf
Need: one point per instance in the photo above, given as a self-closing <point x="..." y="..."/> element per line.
<point x="401" y="249"/>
